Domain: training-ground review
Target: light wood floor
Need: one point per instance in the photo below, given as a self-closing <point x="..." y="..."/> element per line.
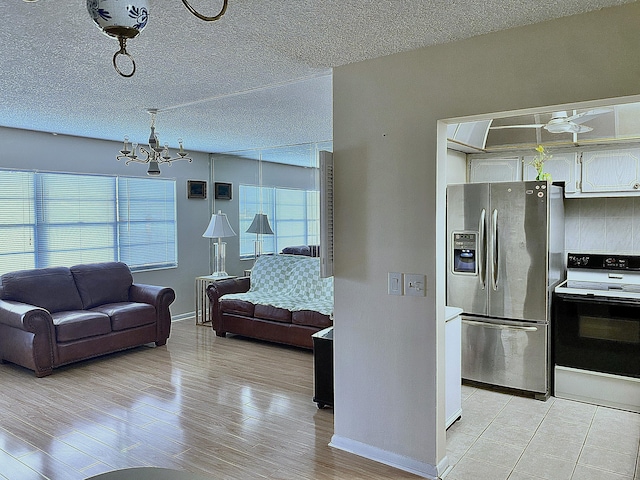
<point x="229" y="408"/>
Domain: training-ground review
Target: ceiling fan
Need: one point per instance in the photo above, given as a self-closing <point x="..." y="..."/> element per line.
<point x="562" y="122"/>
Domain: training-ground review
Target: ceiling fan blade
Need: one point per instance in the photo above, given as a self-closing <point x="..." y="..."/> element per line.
<point x="583" y="128"/>
<point x="566" y="127"/>
<point x="588" y="115"/>
<point x="501" y="127"/>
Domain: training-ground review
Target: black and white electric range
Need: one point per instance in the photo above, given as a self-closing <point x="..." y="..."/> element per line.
<point x="596" y="331"/>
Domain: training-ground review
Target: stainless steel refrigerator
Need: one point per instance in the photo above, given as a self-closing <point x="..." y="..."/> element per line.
<point x="505" y="255"/>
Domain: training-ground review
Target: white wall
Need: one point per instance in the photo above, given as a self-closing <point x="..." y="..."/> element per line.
<point x="23" y="149"/>
<point x="390" y="206"/>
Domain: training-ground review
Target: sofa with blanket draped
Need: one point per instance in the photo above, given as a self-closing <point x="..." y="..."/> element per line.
<point x="284" y="300"/>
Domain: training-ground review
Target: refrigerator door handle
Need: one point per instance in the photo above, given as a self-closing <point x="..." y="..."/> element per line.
<point x="494" y="250"/>
<point x="500" y="327"/>
<point x="482" y="250"/>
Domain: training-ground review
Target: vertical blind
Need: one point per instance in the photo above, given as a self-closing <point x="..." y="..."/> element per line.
<point x="294" y="216"/>
<point x="51" y="219"/>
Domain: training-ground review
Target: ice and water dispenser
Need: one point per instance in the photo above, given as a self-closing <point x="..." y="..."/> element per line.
<point x="464" y="252"/>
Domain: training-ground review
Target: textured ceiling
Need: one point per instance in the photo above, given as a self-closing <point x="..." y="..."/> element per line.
<point x="259" y="77"/>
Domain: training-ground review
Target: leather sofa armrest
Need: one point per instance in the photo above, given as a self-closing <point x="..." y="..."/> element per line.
<point x="25" y="317"/>
<point x="27" y="336"/>
<point x="219" y="288"/>
<point x="161" y="298"/>
<point x="230" y="285"/>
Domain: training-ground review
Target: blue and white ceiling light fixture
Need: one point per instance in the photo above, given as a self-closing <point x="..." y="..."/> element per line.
<point x="123" y="20"/>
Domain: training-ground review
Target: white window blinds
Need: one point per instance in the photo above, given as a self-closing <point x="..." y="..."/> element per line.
<point x="147" y="225"/>
<point x="294" y="216"/>
<point x="51" y="219"/>
<point x="76" y="219"/>
<point x="17" y="221"/>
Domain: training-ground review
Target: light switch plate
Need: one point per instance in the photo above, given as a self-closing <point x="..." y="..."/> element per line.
<point x="415" y="284"/>
<point x="395" y="283"/>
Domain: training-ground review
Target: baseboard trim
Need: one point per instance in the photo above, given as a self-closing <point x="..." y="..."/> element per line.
<point x="400" y="462"/>
<point x="182" y="316"/>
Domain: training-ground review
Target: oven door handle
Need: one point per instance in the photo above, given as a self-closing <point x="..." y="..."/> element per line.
<point x="500" y="326"/>
<point x="597" y="299"/>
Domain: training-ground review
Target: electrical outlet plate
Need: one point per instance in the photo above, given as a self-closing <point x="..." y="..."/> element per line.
<point x="395" y="283"/>
<point x="415" y="284"/>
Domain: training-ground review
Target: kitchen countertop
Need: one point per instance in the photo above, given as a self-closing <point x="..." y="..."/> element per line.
<point x="451" y="312"/>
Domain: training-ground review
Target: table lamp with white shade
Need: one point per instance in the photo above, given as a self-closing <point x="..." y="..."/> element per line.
<point x="219" y="228"/>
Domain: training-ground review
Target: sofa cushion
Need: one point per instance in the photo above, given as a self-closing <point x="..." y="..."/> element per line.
<point x="78" y="324"/>
<point x="53" y="289"/>
<point x="310" y="318"/>
<point x="297" y="250"/>
<point x="240" y="307"/>
<point x="269" y="312"/>
<point x="100" y="283"/>
<point x="127" y="314"/>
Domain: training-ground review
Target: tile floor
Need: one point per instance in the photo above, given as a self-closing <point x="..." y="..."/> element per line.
<point x="504" y="437"/>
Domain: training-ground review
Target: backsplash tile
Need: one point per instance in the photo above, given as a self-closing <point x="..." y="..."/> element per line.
<point x="602" y="225"/>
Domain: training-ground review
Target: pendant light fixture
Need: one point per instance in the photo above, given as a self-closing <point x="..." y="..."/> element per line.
<point x="154" y="153"/>
<point x="125" y="20"/>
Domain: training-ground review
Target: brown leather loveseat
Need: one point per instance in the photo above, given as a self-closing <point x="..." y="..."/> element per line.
<point x="284" y="301"/>
<point x="55" y="316"/>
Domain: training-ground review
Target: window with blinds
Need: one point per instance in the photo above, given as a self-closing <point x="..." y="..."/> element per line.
<point x="294" y="216"/>
<point x="147" y="226"/>
<point x="17" y="221"/>
<point x="54" y="219"/>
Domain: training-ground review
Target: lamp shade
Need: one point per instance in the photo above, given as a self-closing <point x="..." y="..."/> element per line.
<point x="260" y="225"/>
<point x="219" y="227"/>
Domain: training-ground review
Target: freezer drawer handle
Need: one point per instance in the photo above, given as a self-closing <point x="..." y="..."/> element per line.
<point x="500" y="327"/>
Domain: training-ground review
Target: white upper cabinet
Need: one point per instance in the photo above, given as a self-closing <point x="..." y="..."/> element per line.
<point x="507" y="169"/>
<point x="563" y="167"/>
<point x="611" y="170"/>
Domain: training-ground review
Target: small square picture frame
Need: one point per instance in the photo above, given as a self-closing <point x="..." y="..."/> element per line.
<point x="223" y="191"/>
<point x="196" y="189"/>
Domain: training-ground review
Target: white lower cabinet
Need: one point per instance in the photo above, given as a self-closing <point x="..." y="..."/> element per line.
<point x="453" y="365"/>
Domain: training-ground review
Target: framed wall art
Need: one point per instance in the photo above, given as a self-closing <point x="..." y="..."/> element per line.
<point x="223" y="191"/>
<point x="196" y="189"/>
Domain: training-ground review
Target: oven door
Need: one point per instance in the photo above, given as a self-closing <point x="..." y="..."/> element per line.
<point x="600" y="334"/>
